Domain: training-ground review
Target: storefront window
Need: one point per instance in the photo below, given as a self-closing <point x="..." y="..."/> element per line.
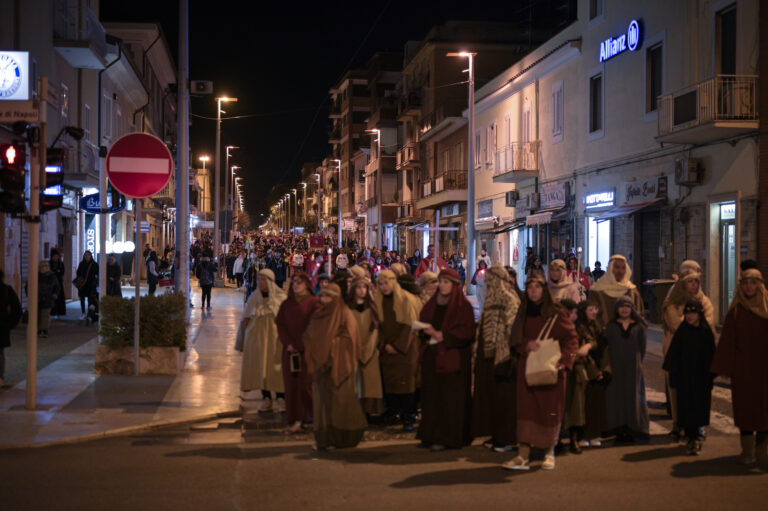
<point x="598" y="242"/>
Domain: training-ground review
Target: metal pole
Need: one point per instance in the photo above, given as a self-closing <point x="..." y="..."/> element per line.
<point x="137" y="287"/>
<point x="437" y="240"/>
<point x="217" y="185"/>
<point x="182" y="170"/>
<point x="227" y="170"/>
<point x="37" y="165"/>
<point x="338" y="201"/>
<point x="379" y="192"/>
<point x="471" y="172"/>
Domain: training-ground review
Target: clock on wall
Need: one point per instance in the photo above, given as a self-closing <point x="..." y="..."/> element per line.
<point x="10" y="76"/>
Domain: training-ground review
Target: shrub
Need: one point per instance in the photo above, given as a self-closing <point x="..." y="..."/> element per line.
<point x="162" y="320"/>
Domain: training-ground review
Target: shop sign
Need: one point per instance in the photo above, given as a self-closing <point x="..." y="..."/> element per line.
<point x="646" y="190"/>
<point x="553" y="196"/>
<point x="630" y="40"/>
<point x="599" y="200"/>
<point x="485" y="208"/>
<point x="14" y="75"/>
<point x="728" y="211"/>
<point x="90" y="233"/>
<point x="348" y="224"/>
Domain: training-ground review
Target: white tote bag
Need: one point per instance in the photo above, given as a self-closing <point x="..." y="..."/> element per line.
<point x="540" y="367"/>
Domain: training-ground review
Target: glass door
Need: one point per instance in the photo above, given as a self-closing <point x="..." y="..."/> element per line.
<point x="728" y="264"/>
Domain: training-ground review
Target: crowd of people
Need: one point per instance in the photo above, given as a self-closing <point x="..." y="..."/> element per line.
<point x="343" y="339"/>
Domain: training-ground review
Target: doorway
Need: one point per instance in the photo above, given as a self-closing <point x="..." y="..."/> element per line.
<point x="728" y="270"/>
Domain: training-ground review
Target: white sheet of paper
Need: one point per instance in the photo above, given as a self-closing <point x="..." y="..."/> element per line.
<point x="419" y="325"/>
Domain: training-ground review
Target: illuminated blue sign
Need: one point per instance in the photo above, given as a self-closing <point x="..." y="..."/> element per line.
<point x="56" y="189"/>
<point x="631" y="41"/>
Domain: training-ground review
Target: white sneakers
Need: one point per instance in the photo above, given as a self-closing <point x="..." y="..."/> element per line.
<point x="517" y="463"/>
<point x="548" y="463"/>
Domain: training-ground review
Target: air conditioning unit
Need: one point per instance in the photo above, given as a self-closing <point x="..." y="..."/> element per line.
<point x="201" y="87"/>
<point x="688" y="172"/>
<point x="532" y="201"/>
<point x="511" y="198"/>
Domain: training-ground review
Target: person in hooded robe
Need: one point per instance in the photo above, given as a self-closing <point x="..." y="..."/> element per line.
<point x="332" y="345"/>
<point x="742" y="355"/>
<point x="361" y="302"/>
<point x="262" y="351"/>
<point x="494" y="405"/>
<point x="686" y="288"/>
<point x="561" y="287"/>
<point x="616" y="282"/>
<point x="446" y="368"/>
<point x="687" y="362"/>
<point x="428" y="286"/>
<point x="292" y="320"/>
<point x="625" y="400"/>
<point x="342" y="276"/>
<point x="398" y="348"/>
<point x="540" y="408"/>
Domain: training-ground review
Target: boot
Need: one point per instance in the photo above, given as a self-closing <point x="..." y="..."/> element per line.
<point x="762" y="447"/>
<point x="747" y="456"/>
<point x="574" y="446"/>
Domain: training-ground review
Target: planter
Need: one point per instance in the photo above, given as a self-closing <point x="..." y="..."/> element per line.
<point x="166" y="360"/>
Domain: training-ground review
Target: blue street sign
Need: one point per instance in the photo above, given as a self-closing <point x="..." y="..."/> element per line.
<point x="92" y="203"/>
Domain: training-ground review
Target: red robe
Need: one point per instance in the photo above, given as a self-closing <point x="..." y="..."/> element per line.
<point x="426" y="265"/>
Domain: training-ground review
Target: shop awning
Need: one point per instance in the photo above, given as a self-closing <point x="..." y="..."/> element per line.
<point x="509" y="227"/>
<point x="627" y="209"/>
<point x="546" y="216"/>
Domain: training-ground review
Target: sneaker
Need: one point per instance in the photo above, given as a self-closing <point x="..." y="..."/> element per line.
<point x="690" y="447"/>
<point x="585" y="443"/>
<point x="548" y="463"/>
<point x="266" y="405"/>
<point x="595" y="442"/>
<point x="280" y="405"/>
<point x="517" y="463"/>
<point x="502" y="448"/>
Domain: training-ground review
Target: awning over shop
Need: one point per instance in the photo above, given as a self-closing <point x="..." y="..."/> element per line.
<point x="627" y="209"/>
<point x="509" y="227"/>
<point x="546" y="216"/>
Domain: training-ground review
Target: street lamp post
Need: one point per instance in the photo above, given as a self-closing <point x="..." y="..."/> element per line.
<point x="288" y="211"/>
<point x="227" y="195"/>
<point x="317" y="202"/>
<point x="231" y="204"/>
<point x="470" y="157"/>
<point x="379" y="192"/>
<point x="304" y="204"/>
<point x="217" y="179"/>
<point x="204" y="159"/>
<point x="338" y="196"/>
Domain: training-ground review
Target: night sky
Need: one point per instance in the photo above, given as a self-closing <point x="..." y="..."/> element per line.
<point x="279" y="59"/>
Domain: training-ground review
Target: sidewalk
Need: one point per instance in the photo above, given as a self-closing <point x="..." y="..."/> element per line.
<point x="74" y="404"/>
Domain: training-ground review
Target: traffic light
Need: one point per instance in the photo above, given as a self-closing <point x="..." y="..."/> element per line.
<point x="13" y="158"/>
<point x="52" y="197"/>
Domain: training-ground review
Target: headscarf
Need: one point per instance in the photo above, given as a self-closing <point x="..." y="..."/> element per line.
<point x="324" y="339"/>
<point x="626" y="300"/>
<point x="678" y="294"/>
<point x="342" y="261"/>
<point x="369" y="299"/>
<point x="546" y="308"/>
<point x="608" y="284"/>
<point x="258" y="305"/>
<point x="398" y="268"/>
<point x="758" y="304"/>
<point x="406" y="306"/>
<point x="426" y="277"/>
<point x="359" y="271"/>
<point x="499" y="311"/>
<point x="459" y="318"/>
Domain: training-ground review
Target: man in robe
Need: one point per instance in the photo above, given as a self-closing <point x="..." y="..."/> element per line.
<point x="427" y="264"/>
<point x="615" y="283"/>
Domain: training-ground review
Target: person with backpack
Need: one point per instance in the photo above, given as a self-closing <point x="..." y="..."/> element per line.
<point x="10" y="315"/>
<point x="206" y="273"/>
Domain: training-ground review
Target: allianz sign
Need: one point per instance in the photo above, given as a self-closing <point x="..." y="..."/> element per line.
<point x="619" y="44"/>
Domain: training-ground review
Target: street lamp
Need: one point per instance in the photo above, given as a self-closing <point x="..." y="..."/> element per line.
<point x="338" y="195"/>
<point x="379" y="193"/>
<point x="304" y="204"/>
<point x="217" y="185"/>
<point x="470" y="156"/>
<point x="295" y="205"/>
<point x="288" y="210"/>
<point x="206" y="188"/>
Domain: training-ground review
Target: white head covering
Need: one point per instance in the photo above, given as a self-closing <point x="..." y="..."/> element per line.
<point x="258" y="305"/>
<point x="608" y="283"/>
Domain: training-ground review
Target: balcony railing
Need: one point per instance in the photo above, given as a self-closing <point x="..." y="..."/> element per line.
<point x="517" y="157"/>
<point x="451" y="180"/>
<point x="410" y="104"/>
<point x="77" y="27"/>
<point x="408" y="210"/>
<point x="407" y="156"/>
<point x="426" y="188"/>
<point x="721" y="98"/>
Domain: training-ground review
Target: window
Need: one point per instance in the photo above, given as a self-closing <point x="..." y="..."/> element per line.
<point x="458" y="156"/>
<point x="106" y="117"/>
<point x="595" y="9"/>
<point x="653" y="78"/>
<point x="525" y="132"/>
<point x="118" y="122"/>
<point x="596" y="103"/>
<point x="87" y="122"/>
<point x="507" y="130"/>
<point x="446" y="160"/>
<point x="725" y="49"/>
<point x="64" y="103"/>
<point x="557" y="112"/>
<point x="477" y="145"/>
<point x="490" y="143"/>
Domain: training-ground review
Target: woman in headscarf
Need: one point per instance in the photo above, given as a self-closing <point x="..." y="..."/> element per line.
<point x="361" y="303"/>
<point x="615" y="283"/>
<point x="398" y="347"/>
<point x="292" y="319"/>
<point x="561" y="287"/>
<point x="428" y="285"/>
<point x="262" y="352"/>
<point x="446" y="370"/>
<point x="625" y="401"/>
<point x="742" y="356"/>
<point x="687" y="288"/>
<point x="494" y="407"/>
<point x="332" y="351"/>
<point x="540" y="408"/>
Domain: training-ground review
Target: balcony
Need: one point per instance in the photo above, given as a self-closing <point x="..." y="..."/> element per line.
<point x="516" y="162"/>
<point x="407" y="212"/>
<point x="720" y="107"/>
<point x="445" y="119"/>
<point x="450" y="186"/>
<point x="334" y="136"/>
<point x="334" y="111"/>
<point x="80" y="38"/>
<point x="409" y="106"/>
<point x="407" y="157"/>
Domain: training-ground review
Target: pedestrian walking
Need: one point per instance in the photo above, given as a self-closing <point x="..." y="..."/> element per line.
<point x="238" y="269"/>
<point x="414" y="260"/>
<point x="152" y="272"/>
<point x="57" y="267"/>
<point x="114" y="274"/>
<point x="206" y="275"/>
<point x="616" y="282"/>
<point x="332" y="351"/>
<point x="742" y="356"/>
<point x="688" y="361"/>
<point x="626" y="404"/>
<point x="10" y="315"/>
<point x="86" y="281"/>
<point x="478" y="279"/>
<point x="292" y="320"/>
<point x="494" y="405"/>
<point x="361" y="303"/>
<point x="446" y="370"/>
<point x="47" y="291"/>
<point x="540" y="407"/>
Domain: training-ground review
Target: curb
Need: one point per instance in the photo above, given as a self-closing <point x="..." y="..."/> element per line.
<point x="121" y="431"/>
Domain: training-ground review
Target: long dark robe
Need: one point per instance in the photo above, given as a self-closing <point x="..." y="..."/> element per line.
<point x="446" y="397"/>
<point x="292" y="319"/>
<point x="398" y="371"/>
<point x="540" y="409"/>
<point x="688" y="362"/>
<point x="60" y="304"/>
<point x="625" y="400"/>
<point x="742" y="355"/>
<point x="494" y="404"/>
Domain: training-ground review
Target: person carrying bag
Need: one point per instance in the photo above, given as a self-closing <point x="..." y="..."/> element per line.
<point x="541" y="367"/>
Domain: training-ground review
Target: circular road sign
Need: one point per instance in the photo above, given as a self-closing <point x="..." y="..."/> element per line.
<point x="139" y="165"/>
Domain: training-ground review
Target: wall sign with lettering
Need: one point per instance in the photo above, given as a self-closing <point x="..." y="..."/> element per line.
<point x="553" y="196"/>
<point x="630" y="40"/>
<point x="645" y="190"/>
<point x="599" y="200"/>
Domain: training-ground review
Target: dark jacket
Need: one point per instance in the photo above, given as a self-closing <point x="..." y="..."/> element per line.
<point x="10" y="313"/>
<point x="206" y="273"/>
<point x="47" y="290"/>
<point x="114" y="272"/>
<point x="89" y="271"/>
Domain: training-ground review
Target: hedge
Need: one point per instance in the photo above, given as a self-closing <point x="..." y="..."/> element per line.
<point x="162" y="320"/>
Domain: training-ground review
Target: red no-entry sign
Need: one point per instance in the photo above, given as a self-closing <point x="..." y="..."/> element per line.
<point x="139" y="165"/>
